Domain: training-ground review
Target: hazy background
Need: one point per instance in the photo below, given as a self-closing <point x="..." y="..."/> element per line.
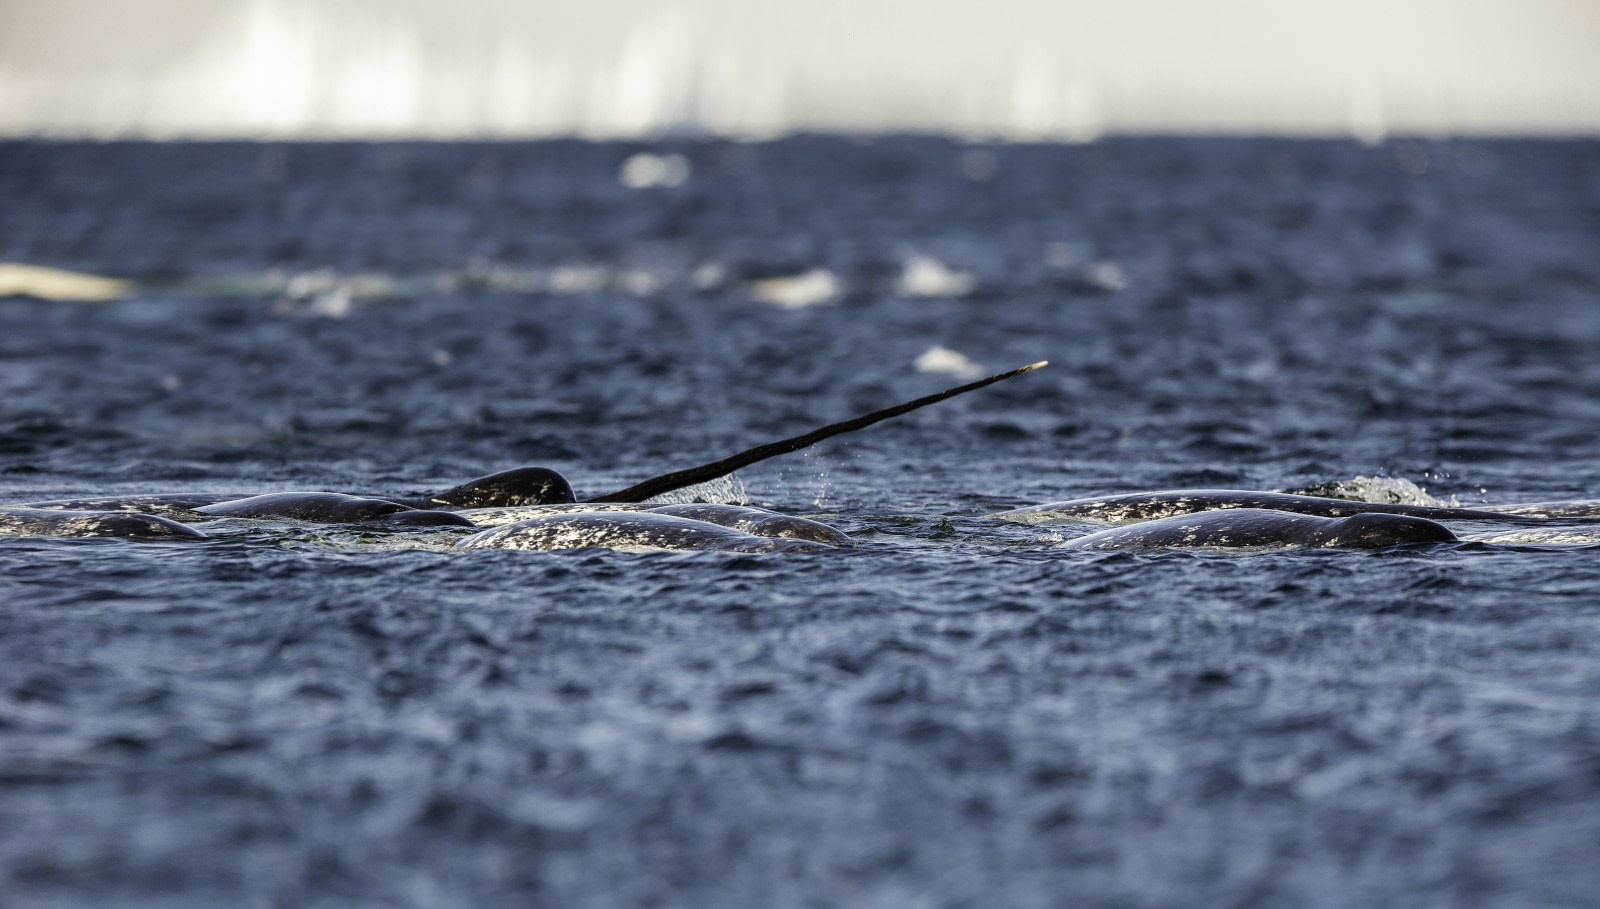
<point x="1021" y="69"/>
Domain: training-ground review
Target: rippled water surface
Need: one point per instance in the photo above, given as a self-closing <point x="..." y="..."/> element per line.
<point x="956" y="714"/>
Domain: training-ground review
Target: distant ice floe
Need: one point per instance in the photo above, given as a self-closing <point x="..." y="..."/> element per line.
<point x="1074" y="259"/>
<point x="810" y="288"/>
<point x="333" y="294"/>
<point x="925" y="276"/>
<point x="573" y="279"/>
<point x="708" y="275"/>
<point x="328" y="294"/>
<point x="645" y="170"/>
<point x="1107" y="276"/>
<point x="17" y="279"/>
<point x="949" y="362"/>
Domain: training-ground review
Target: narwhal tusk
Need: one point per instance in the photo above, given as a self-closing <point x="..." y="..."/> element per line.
<point x="678" y="479"/>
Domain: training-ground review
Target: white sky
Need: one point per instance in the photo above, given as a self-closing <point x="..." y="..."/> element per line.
<point x="1005" y="68"/>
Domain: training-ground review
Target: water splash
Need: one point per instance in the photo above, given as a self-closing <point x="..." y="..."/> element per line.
<point x="1380" y="490"/>
<point x="728" y="490"/>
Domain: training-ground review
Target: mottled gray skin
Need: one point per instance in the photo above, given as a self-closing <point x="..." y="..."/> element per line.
<point x="517" y="487"/>
<point x="333" y="508"/>
<point x="1146" y="506"/>
<point x="1260" y="528"/>
<point x="757" y="521"/>
<point x="629" y="530"/>
<point x="496" y="517"/>
<point x="127" y="525"/>
<point x="171" y="505"/>
<point x="508" y="488"/>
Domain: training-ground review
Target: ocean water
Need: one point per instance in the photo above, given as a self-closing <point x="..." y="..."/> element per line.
<point x="955" y="714"/>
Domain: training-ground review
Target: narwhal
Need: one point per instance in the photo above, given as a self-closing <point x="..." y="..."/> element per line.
<point x="524" y="487"/>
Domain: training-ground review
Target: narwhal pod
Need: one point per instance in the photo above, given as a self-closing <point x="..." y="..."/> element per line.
<point x="617" y="529"/>
<point x="1260" y="528"/>
<point x="128" y="525"/>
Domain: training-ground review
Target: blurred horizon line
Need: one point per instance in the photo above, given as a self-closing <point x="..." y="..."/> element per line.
<point x="1073" y="71"/>
<point x="669" y="138"/>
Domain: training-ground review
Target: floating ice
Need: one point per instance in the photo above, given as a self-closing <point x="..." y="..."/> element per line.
<point x="578" y="279"/>
<point x="925" y="276"/>
<point x="708" y="275"/>
<point x="950" y="362"/>
<point x="810" y="288"/>
<point x="1107" y="276"/>
<point x="55" y="284"/>
<point x="644" y="170"/>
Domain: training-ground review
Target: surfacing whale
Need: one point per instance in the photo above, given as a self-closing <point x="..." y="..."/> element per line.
<point x="529" y="486"/>
<point x="616" y="529"/>
<point x="1146" y="506"/>
<point x="178" y="505"/>
<point x="1260" y="528"/>
<point x="333" y="508"/>
<point x="758" y="521"/>
<point x="128" y="525"/>
<point x="540" y="486"/>
<point x="508" y="488"/>
<point x="743" y="518"/>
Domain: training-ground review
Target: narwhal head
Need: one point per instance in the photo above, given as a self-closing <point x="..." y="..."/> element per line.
<point x="518" y="486"/>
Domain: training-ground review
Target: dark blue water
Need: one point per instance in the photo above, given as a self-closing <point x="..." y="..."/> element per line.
<point x="956" y="715"/>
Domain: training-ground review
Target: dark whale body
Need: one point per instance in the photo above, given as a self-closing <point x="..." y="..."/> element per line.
<point x="506" y="489"/>
<point x="631" y="530"/>
<point x="1145" y="506"/>
<point x="333" y="508"/>
<point x="1260" y="528"/>
<point x="126" y="525"/>
<point x="171" y="505"/>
